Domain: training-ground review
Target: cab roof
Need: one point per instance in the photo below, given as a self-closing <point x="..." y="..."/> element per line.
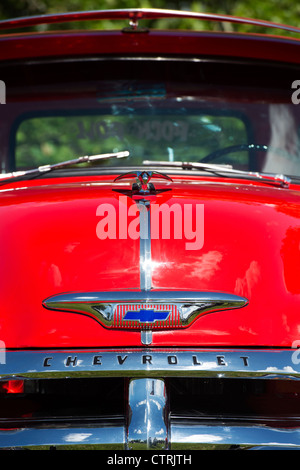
<point x="18" y="41"/>
<point x="134" y="16"/>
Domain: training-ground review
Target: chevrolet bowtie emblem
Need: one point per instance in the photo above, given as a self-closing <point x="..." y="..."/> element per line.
<point x="146" y="315"/>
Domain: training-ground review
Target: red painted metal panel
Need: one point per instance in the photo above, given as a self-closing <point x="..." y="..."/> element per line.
<point x="48" y="245"/>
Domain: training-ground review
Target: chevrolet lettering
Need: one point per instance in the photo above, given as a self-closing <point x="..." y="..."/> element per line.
<point x="149" y="232"/>
<point x="144" y="360"/>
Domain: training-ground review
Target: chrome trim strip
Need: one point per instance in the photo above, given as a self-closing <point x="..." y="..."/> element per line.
<point x="139" y="363"/>
<point x="146" y="337"/>
<point x="101" y="306"/>
<point x="141" y="296"/>
<point x="147" y="408"/>
<point x="135" y="14"/>
<point x="145" y="256"/>
<point x="145" y="245"/>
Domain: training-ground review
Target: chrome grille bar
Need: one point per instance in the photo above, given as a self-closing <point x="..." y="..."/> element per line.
<point x="153" y="362"/>
<point x="148" y="427"/>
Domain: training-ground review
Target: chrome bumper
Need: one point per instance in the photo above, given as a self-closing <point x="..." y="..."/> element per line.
<point x="148" y="423"/>
<point x="183" y="438"/>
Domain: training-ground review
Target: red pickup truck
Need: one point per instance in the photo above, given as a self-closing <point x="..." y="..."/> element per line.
<point x="150" y="234"/>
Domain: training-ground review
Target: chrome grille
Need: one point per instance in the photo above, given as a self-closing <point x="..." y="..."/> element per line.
<point x="187" y="398"/>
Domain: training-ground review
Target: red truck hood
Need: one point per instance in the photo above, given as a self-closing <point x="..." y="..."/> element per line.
<point x="49" y="245"/>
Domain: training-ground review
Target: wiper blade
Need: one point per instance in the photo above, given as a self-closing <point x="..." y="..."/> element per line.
<point x="7" y="177"/>
<point x="280" y="180"/>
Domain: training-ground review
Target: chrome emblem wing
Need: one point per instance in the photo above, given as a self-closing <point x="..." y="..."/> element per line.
<point x="143" y="310"/>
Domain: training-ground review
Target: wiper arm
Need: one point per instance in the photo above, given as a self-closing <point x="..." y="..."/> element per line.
<point x="7" y="177"/>
<point x="269" y="178"/>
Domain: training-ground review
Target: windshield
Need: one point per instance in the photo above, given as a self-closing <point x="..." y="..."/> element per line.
<point x="167" y="110"/>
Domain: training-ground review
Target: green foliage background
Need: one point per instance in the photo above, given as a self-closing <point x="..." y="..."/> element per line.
<point x="278" y="11"/>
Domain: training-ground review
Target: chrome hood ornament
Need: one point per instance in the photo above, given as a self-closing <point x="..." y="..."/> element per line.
<point x="144" y="310"/>
<point x="142" y="185"/>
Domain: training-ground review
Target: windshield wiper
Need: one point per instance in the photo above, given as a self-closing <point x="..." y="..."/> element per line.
<point x="282" y="181"/>
<point x="8" y="177"/>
